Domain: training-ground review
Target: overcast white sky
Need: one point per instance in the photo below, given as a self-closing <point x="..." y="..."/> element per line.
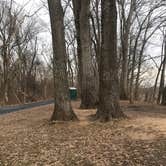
<point x="33" y="5"/>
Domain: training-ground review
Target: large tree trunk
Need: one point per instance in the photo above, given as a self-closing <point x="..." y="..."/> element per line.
<point x="124" y="51"/>
<point x="126" y="22"/>
<point x="124" y="81"/>
<point x="88" y="90"/>
<point x="86" y="72"/>
<point x="164" y="96"/>
<point x="109" y="83"/>
<point x="76" y="11"/>
<point x="62" y="108"/>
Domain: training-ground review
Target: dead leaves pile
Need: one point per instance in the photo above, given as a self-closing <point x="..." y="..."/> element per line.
<point x="26" y="138"/>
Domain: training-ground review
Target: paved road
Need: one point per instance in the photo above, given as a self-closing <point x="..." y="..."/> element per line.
<point x="9" y="109"/>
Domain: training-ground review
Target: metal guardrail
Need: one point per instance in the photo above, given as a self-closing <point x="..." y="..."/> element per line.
<point x="9" y="109"/>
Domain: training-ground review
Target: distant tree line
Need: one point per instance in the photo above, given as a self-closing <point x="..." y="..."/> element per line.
<point x="98" y="46"/>
<point x="23" y="76"/>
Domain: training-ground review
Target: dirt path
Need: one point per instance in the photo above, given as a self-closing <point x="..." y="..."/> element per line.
<point x="27" y="138"/>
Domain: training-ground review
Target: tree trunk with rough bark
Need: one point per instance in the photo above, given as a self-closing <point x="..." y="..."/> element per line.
<point x="126" y="23"/>
<point x="160" y="99"/>
<point x="86" y="71"/>
<point x="88" y="90"/>
<point x="76" y="11"/>
<point x="109" y="83"/>
<point x="62" y="109"/>
<point x="164" y="96"/>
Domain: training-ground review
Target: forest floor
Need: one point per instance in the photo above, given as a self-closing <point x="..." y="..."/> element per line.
<point x="28" y="139"/>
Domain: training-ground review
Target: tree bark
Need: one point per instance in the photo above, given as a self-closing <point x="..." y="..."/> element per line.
<point x="88" y="90"/>
<point x="136" y="93"/>
<point x="162" y="79"/>
<point x="164" y="96"/>
<point x="109" y="82"/>
<point x="5" y="74"/>
<point x="156" y="81"/>
<point x="76" y="11"/>
<point x="125" y="33"/>
<point x="81" y="10"/>
<point x="62" y="109"/>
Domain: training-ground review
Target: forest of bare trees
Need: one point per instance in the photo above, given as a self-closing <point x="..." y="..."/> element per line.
<point x="103" y="48"/>
<point x="82" y="82"/>
<point x="23" y="74"/>
<point x="111" y="52"/>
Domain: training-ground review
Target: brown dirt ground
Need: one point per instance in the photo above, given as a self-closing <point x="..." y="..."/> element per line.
<point x="28" y="139"/>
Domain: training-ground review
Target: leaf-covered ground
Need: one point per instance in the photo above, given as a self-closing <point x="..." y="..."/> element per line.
<point x="28" y="139"/>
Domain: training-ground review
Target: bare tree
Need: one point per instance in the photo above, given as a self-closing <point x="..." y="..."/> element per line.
<point x="7" y="32"/>
<point x="109" y="83"/>
<point x="148" y="23"/>
<point x="162" y="79"/>
<point x="76" y="11"/>
<point x="84" y="51"/>
<point x="62" y="108"/>
<point x="88" y="91"/>
<point x="125" y="27"/>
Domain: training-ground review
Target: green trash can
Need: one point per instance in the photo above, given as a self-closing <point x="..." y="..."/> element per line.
<point x="73" y="93"/>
